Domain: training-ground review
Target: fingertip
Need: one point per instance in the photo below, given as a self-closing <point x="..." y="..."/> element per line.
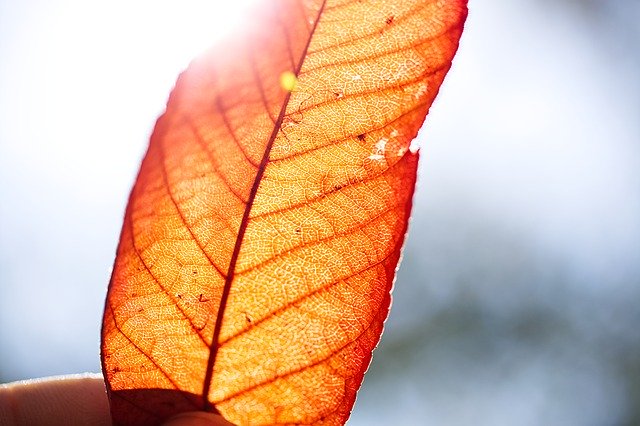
<point x="64" y="400"/>
<point x="197" y="418"/>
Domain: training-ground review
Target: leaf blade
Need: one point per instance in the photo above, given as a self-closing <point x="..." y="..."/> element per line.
<point x="261" y="238"/>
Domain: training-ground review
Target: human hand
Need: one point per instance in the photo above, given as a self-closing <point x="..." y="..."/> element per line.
<point x="72" y="400"/>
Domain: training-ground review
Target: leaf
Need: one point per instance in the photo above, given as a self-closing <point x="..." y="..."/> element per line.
<point x="262" y="235"/>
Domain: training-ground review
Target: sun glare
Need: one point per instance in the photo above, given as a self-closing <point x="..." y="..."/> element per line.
<point x="188" y="28"/>
<point x="103" y="70"/>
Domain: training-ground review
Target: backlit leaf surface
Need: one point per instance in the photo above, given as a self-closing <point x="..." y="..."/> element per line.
<point x="262" y="235"/>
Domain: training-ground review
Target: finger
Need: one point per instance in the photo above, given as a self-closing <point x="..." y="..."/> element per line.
<point x="197" y="418"/>
<point x="65" y="400"/>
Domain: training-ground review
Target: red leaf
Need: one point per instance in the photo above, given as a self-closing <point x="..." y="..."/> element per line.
<point x="263" y="232"/>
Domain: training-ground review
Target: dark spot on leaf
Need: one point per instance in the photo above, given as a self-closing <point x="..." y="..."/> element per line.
<point x="338" y="186"/>
<point x="390" y="19"/>
<point x="361" y="136"/>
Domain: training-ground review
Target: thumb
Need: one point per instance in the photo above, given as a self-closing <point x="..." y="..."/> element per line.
<point x="197" y="418"/>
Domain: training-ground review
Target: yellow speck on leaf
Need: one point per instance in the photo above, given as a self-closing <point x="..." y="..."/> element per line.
<point x="288" y="81"/>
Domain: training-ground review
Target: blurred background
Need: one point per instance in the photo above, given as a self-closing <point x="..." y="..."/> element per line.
<point x="518" y="300"/>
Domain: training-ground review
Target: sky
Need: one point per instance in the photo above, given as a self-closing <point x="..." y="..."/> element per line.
<point x="515" y="300"/>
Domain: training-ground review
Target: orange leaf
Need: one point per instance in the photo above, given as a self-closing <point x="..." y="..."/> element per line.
<point x="262" y="235"/>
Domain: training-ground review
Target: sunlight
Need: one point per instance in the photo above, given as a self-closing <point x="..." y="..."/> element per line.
<point x="183" y="29"/>
<point x="109" y="66"/>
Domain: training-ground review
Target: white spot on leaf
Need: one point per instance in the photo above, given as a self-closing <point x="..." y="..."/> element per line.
<point x="380" y="146"/>
<point x="414" y="146"/>
<point x="422" y="89"/>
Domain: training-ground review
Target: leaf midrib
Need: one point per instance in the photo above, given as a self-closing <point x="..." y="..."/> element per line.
<point x="213" y="351"/>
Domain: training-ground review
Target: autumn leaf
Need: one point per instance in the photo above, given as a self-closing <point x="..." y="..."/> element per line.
<point x="263" y="232"/>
